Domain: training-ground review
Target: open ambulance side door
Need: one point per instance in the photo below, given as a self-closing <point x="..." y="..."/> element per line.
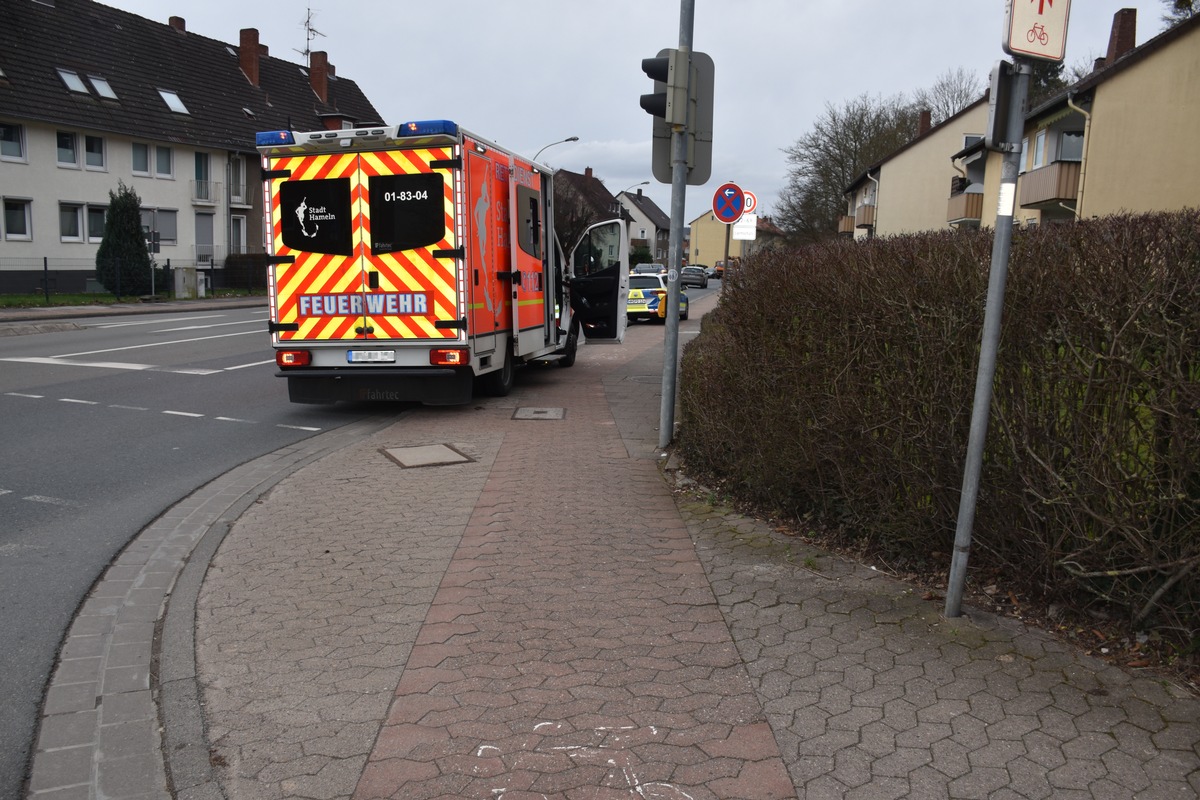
<point x="598" y="281"/>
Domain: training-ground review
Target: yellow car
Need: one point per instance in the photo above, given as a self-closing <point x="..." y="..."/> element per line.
<point x="646" y="296"/>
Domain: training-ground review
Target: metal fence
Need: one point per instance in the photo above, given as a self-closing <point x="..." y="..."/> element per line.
<point x="244" y="272"/>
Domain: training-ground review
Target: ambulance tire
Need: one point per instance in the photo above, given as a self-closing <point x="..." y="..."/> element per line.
<point x="499" y="383"/>
<point x="568" y="353"/>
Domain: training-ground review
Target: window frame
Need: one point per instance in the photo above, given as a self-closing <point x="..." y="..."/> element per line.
<point x="1039" y="149"/>
<point x="73" y="81"/>
<point x="145" y="148"/>
<point x="88" y="214"/>
<point x="21" y="156"/>
<point x="102" y="166"/>
<point x="75" y="210"/>
<point x="58" y="138"/>
<point x="159" y="149"/>
<point x="26" y="206"/>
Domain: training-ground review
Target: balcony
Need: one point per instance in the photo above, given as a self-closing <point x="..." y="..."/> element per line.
<point x="1050" y="185"/>
<point x="965" y="209"/>
<point x="864" y="216"/>
<point x="845" y="225"/>
<point x="239" y="195"/>
<point x="205" y="193"/>
<point x="208" y="255"/>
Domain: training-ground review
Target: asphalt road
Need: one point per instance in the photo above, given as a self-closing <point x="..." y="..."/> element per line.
<point x="105" y="426"/>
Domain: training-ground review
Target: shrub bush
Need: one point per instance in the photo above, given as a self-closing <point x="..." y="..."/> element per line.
<point x="837" y="381"/>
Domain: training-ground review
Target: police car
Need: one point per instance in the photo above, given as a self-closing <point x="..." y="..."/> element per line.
<point x="646" y="293"/>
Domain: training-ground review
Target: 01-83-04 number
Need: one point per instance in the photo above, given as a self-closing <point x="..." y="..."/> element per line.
<point x="404" y="197"/>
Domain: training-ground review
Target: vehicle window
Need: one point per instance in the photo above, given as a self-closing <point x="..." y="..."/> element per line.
<point x="315" y="216"/>
<point x="407" y="211"/>
<point x="644" y="282"/>
<point x="529" y="226"/>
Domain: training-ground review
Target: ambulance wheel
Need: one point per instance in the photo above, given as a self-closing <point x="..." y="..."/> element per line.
<point x="499" y="383"/>
<point x="568" y="353"/>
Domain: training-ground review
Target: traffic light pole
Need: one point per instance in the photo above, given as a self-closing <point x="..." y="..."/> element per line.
<point x="997" y="277"/>
<point x="679" y="175"/>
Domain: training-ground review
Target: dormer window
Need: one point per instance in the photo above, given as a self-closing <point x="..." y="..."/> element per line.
<point x="102" y="87"/>
<point x="71" y="78"/>
<point x="173" y="102"/>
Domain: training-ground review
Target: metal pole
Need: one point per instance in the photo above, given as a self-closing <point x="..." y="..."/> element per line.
<point x="46" y="277"/>
<point x="1001" y="248"/>
<point x="666" y="424"/>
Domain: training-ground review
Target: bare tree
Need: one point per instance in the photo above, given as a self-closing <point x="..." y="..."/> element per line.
<point x="843" y="143"/>
<point x="954" y="90"/>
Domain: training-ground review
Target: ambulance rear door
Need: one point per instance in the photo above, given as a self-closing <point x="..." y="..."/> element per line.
<point x="365" y="246"/>
<point x="599" y="281"/>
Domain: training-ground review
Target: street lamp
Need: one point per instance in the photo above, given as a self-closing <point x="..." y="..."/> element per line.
<point x="643" y="183"/>
<point x="564" y="141"/>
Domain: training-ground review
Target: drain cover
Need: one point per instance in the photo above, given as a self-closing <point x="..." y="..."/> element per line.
<point x="539" y="413"/>
<point x="429" y="455"/>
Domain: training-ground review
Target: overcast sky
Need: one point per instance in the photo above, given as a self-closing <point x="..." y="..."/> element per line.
<point x="525" y="73"/>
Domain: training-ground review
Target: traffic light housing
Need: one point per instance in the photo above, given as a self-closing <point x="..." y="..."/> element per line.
<point x="669" y="100"/>
<point x="683" y="96"/>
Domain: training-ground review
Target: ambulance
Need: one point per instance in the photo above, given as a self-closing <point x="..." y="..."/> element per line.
<point x="419" y="262"/>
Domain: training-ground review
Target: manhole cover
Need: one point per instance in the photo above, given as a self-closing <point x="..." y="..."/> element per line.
<point x="539" y="413"/>
<point x="428" y="455"/>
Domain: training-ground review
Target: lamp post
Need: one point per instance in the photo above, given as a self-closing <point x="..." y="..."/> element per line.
<point x="564" y="141"/>
<point x="643" y="183"/>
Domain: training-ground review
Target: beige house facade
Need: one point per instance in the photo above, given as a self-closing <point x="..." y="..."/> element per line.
<point x="1118" y="141"/>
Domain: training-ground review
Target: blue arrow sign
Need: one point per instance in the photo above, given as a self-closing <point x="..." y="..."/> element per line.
<point x="729" y="203"/>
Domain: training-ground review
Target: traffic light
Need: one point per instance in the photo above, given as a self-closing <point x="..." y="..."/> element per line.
<point x="669" y="100"/>
<point x="683" y="96"/>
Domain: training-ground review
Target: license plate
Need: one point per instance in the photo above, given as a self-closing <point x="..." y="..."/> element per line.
<point x="370" y="356"/>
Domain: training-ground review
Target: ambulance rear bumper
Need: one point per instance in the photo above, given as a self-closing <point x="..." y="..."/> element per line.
<point x="435" y="386"/>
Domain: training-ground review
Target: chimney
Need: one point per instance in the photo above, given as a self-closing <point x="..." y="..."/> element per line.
<point x="587" y="172"/>
<point x="248" y="52"/>
<point x="178" y="24"/>
<point x="319" y="71"/>
<point x="1124" y="34"/>
<point x="925" y="124"/>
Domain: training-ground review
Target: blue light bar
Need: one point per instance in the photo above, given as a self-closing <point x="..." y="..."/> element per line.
<point x="428" y="127"/>
<point x="270" y="138"/>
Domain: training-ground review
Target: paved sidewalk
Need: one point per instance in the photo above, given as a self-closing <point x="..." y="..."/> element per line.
<point x="510" y="600"/>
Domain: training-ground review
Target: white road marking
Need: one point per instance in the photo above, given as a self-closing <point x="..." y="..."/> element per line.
<point x="183" y="414"/>
<point x="251" y="364"/>
<point x="130" y="408"/>
<point x="63" y="362"/>
<point x="214" y="325"/>
<point x="53" y="501"/>
<point x="298" y="427"/>
<point x="81" y="402"/>
<point x="158" y="321"/>
<point x="22" y="394"/>
<point x="160" y="344"/>
<point x="235" y="419"/>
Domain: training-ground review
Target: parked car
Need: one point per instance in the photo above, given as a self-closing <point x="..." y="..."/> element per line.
<point x="693" y="276"/>
<point x="711" y="272"/>
<point x="649" y="269"/>
<point x="646" y="295"/>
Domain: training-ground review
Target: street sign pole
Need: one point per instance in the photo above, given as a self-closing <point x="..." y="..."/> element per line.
<point x="998" y="275"/>
<point x="679" y="176"/>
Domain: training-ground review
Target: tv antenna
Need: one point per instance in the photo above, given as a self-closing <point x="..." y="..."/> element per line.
<point x="310" y="33"/>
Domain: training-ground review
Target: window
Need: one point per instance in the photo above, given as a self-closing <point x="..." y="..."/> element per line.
<point x="203" y="189"/>
<point x="141" y="159"/>
<point x="68" y="155"/>
<point x="173" y="102"/>
<point x="95" y="222"/>
<point x="163" y="162"/>
<point x="1024" y="155"/>
<point x="69" y="225"/>
<point x="237" y="180"/>
<point x="102" y="87"/>
<point x="71" y="78"/>
<point x="93" y="152"/>
<point x="12" y="142"/>
<point x="1039" y="149"/>
<point x="1070" y="146"/>
<point x="16" y="219"/>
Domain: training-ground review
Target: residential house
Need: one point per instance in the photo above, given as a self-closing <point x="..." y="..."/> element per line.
<point x="649" y="227"/>
<point x="91" y="96"/>
<point x="711" y="241"/>
<point x="579" y="201"/>
<point x="1117" y="140"/>
<point x="1120" y="139"/>
<point x="906" y="191"/>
